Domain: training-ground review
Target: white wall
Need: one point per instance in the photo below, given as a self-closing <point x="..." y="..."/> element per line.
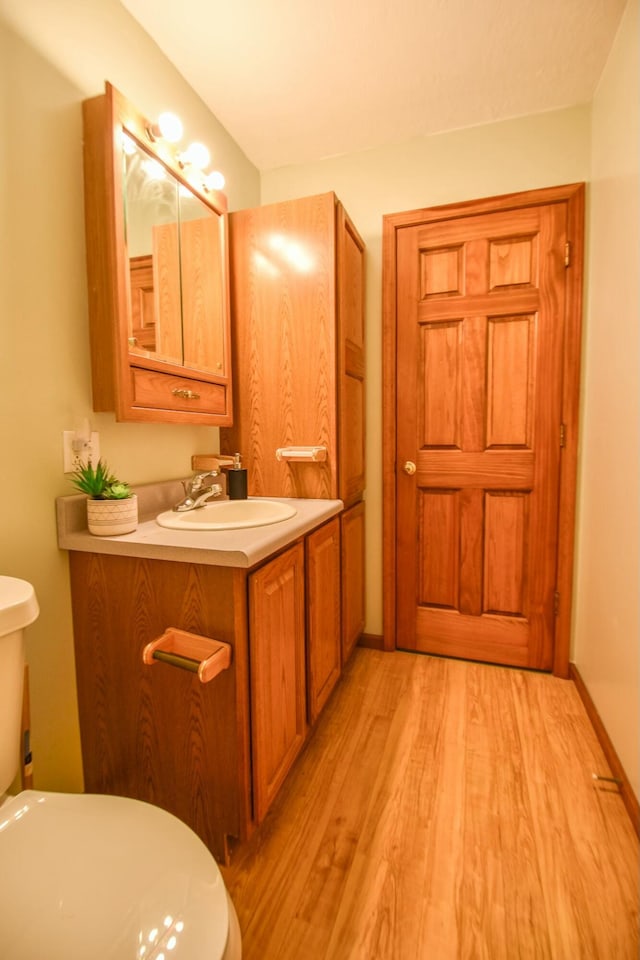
<point x="536" y="151"/>
<point x="606" y="606"/>
<point x="67" y="51"/>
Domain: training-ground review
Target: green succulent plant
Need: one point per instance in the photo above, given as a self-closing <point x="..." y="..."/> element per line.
<point x="99" y="483"/>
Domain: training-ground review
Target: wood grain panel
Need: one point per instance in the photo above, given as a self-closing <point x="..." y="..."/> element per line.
<point x="445" y="232"/>
<point x="203" y="332"/>
<point x="439" y="533"/>
<point x="350" y="278"/>
<point x="505" y="553"/>
<point x="164" y="392"/>
<point x="471" y="550"/>
<point x="494" y="469"/>
<point x="278" y="672"/>
<point x="510" y="381"/>
<point x="494" y="638"/>
<point x="477" y="303"/>
<point x="324" y="641"/>
<point x="156" y="733"/>
<point x="441" y="272"/>
<point x="284" y="362"/>
<point x="351" y="283"/>
<point x="166" y="287"/>
<point x="298" y="347"/>
<point x="513" y="261"/>
<point x="474" y="383"/>
<point x="441" y="386"/>
<point x="352" y="526"/>
<point x="352" y="429"/>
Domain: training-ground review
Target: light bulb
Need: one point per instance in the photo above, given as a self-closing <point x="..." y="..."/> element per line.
<point x="214" y="181"/>
<point x="196" y="154"/>
<point x="170" y="127"/>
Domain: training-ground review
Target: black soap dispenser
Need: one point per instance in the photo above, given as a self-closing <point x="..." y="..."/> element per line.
<point x="237" y="480"/>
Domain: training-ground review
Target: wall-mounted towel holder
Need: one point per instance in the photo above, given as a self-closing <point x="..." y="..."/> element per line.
<point x="200" y="655"/>
<point x="308" y="454"/>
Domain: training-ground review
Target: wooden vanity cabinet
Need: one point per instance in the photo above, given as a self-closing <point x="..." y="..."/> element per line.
<point x="297" y="296"/>
<point x="214" y="754"/>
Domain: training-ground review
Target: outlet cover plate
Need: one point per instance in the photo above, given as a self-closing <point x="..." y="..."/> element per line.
<point x="73" y="458"/>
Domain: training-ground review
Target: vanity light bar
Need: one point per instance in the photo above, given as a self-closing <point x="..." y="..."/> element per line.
<point x="169" y="127"/>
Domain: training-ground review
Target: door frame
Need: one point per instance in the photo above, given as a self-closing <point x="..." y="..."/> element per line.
<point x="574" y="196"/>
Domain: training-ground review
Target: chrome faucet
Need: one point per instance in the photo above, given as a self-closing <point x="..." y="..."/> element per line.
<point x="198" y="491"/>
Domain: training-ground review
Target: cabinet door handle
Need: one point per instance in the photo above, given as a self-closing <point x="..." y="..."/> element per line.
<point x="185" y="394"/>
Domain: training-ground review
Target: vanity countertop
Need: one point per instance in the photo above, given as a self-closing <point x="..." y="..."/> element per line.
<point x="222" y="548"/>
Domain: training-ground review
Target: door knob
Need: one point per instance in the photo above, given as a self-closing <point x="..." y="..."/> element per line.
<point x="409" y="467"/>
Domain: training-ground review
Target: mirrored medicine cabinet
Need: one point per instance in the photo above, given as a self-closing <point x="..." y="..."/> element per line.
<point x="157" y="262"/>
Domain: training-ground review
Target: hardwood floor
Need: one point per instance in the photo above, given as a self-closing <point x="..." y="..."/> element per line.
<point x="442" y="809"/>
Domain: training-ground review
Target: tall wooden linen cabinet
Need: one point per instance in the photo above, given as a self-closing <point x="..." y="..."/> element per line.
<point x="297" y="295"/>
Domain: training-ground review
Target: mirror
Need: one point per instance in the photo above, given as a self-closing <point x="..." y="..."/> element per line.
<point x="174" y="246"/>
<point x="201" y="244"/>
<point x="158" y="274"/>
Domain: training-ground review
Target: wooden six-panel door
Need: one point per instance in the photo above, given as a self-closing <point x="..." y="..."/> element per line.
<point x="480" y="320"/>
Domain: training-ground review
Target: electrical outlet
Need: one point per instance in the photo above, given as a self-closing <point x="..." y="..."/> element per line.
<point x="72" y="457"/>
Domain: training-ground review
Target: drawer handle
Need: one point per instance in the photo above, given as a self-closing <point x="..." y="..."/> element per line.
<point x="185" y="394"/>
<point x="188" y="651"/>
<point x="314" y="454"/>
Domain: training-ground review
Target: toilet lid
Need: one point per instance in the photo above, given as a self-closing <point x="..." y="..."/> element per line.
<point x="105" y="877"/>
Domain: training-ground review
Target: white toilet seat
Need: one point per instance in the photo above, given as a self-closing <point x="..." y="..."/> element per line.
<point x="108" y="877"/>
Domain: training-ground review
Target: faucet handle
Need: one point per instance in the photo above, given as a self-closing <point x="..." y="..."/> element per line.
<point x="210" y="461"/>
<point x="197" y="481"/>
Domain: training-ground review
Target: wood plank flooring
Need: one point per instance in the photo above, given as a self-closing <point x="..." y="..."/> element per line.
<point x="442" y="809"/>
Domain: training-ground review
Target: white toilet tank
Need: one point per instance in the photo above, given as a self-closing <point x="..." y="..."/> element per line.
<point x="18" y="608"/>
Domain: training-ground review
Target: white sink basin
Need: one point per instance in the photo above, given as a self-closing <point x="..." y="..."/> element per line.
<point x="228" y="515"/>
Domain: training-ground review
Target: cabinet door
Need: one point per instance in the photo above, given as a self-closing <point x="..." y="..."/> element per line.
<point x="284" y="330"/>
<point x="352" y="536"/>
<point x="351" y="359"/>
<point x="323" y="615"/>
<point x="277" y="657"/>
<point x="156" y="733"/>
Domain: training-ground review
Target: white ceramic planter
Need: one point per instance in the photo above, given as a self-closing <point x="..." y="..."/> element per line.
<point x="110" y="518"/>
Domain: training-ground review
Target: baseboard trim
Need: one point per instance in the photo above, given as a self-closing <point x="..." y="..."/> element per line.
<point x="617" y="770"/>
<point x="373" y="641"/>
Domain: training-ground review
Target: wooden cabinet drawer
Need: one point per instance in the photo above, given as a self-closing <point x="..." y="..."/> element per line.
<point x="164" y="392"/>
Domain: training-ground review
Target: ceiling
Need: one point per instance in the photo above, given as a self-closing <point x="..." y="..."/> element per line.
<point x="295" y="81"/>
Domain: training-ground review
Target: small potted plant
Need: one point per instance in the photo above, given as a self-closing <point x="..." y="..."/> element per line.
<point x="112" y="508"/>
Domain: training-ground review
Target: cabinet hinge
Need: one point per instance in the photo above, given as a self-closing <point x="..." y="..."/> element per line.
<point x="556" y="604"/>
<point x="567" y="254"/>
<point x="563" y="434"/>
